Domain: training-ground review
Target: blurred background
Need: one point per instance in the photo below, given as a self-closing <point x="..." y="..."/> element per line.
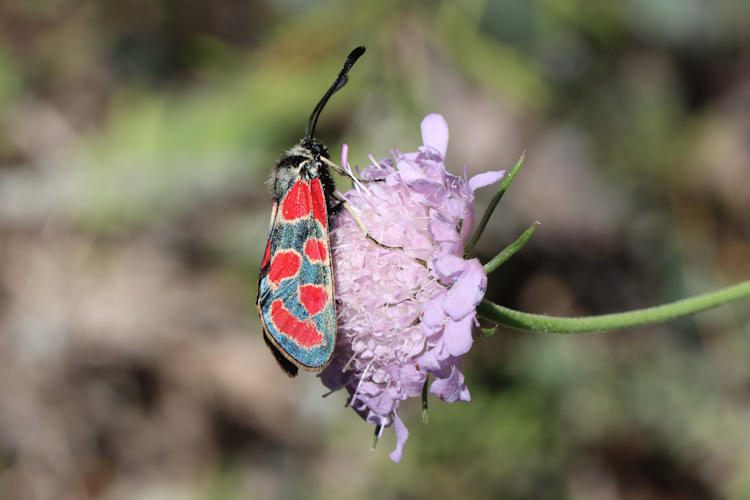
<point x="135" y="139"/>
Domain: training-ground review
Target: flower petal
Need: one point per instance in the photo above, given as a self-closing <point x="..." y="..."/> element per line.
<point x="466" y="292"/>
<point x="412" y="380"/>
<point x="382" y="404"/>
<point x="402" y="434"/>
<point x="376" y="172"/>
<point x="485" y="179"/>
<point x="451" y="388"/>
<point x="457" y="336"/>
<point x="429" y="362"/>
<point x="344" y="154"/>
<point x="373" y="418"/>
<point x="432" y="312"/>
<point x="449" y="266"/>
<point x="468" y="222"/>
<point x="456" y="208"/>
<point x="410" y="172"/>
<point x="442" y="230"/>
<point x="435" y="133"/>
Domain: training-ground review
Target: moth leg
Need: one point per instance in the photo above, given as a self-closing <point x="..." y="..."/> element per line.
<point x="345" y="205"/>
<point x="339" y="170"/>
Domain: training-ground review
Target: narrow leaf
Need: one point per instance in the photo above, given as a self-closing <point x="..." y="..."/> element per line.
<point x="376" y="437"/>
<point x="487" y="328"/>
<point x="493" y="203"/>
<point x="425" y="409"/>
<point x="510" y="250"/>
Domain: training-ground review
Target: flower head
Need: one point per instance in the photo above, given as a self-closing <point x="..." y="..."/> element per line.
<point x="405" y="313"/>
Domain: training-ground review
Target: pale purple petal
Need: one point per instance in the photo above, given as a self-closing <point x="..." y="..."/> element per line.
<point x="417" y="347"/>
<point x="376" y="172"/>
<point x="448" y="247"/>
<point x="420" y="242"/>
<point x="467" y="292"/>
<point x="442" y="230"/>
<point x="467" y="224"/>
<point x="410" y="171"/>
<point x="464" y="395"/>
<point x="432" y="312"/>
<point x="456" y="187"/>
<point x="485" y="179"/>
<point x="382" y="404"/>
<point x="373" y="418"/>
<point x="457" y="336"/>
<point x="344" y="155"/>
<point x="435" y="133"/>
<point x="428" y="362"/>
<point x="445" y="360"/>
<point x="449" y="266"/>
<point x="370" y="388"/>
<point x="409" y="156"/>
<point x="402" y="434"/>
<point x="452" y="388"/>
<point x="412" y="380"/>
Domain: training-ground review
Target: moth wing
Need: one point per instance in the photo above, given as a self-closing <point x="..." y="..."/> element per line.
<point x="295" y="287"/>
<point x="269" y="245"/>
<point x="288" y="367"/>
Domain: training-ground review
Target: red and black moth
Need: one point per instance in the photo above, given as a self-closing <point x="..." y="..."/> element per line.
<point x="295" y="286"/>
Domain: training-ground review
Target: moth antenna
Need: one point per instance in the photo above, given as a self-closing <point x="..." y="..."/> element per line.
<point x="340" y="82"/>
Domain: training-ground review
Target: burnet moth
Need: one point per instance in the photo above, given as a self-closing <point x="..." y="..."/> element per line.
<point x="295" y="286"/>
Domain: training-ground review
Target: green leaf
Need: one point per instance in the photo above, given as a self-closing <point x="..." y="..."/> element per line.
<point x="493" y="203"/>
<point x="510" y="250"/>
<point x="425" y="409"/>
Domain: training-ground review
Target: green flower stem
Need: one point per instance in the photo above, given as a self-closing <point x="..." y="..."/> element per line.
<point x="493" y="203"/>
<point x="555" y="324"/>
<point x="425" y="406"/>
<point x="511" y="249"/>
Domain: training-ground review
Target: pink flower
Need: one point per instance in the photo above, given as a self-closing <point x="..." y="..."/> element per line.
<point x="406" y="313"/>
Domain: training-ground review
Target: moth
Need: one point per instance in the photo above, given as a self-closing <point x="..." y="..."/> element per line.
<point x="295" y="285"/>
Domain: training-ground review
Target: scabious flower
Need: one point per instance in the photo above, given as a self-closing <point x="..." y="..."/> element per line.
<point x="408" y="312"/>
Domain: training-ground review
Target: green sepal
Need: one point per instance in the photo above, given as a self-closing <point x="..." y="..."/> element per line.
<point x="510" y="250"/>
<point x="493" y="204"/>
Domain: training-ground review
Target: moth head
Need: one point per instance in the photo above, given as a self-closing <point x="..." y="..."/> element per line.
<point x="300" y="162"/>
<point x="314" y="147"/>
<point x="307" y="149"/>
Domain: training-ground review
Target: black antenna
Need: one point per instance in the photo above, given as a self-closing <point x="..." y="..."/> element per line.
<point x="340" y="82"/>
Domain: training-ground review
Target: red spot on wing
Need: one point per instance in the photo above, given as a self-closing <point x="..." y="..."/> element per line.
<point x="267" y="255"/>
<point x="304" y="334"/>
<point x="284" y="265"/>
<point x="319" y="202"/>
<point x="315" y="250"/>
<point x="313" y="297"/>
<point x="296" y="202"/>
